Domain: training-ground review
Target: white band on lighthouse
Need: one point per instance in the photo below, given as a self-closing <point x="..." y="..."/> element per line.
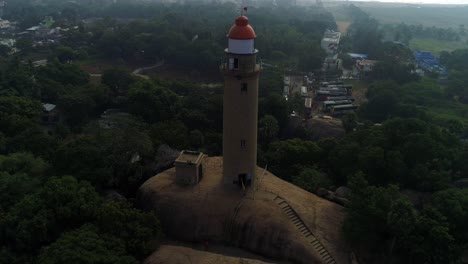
<point x="241" y="46"/>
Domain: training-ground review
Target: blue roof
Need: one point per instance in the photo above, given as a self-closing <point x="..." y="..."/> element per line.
<point x="428" y="61"/>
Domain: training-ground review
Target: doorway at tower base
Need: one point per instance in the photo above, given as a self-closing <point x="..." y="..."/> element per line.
<point x="244" y="180"/>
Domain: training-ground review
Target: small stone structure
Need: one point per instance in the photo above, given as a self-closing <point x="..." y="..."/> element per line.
<point x="189" y="167"/>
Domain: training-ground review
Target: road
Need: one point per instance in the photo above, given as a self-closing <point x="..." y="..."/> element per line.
<point x="137" y="72"/>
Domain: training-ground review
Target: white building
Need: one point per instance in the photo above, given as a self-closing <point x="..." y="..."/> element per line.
<point x="330" y="41"/>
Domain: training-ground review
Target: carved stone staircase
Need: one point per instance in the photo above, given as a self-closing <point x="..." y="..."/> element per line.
<point x="300" y="225"/>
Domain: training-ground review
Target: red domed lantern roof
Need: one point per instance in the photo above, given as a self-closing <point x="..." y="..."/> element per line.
<point x="241" y="29"/>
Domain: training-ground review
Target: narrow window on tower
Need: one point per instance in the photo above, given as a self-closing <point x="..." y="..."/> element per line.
<point x="243" y="87"/>
<point x="236" y="63"/>
<point x="243" y="144"/>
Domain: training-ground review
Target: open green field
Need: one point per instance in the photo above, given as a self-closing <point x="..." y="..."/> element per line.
<point x="436" y="46"/>
<point x="426" y="15"/>
<point x="443" y="16"/>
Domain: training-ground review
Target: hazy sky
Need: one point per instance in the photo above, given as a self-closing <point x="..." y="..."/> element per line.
<point x="464" y="2"/>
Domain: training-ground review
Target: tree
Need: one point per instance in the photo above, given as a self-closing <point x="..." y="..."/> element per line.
<point x="84" y="158"/>
<point x="172" y="133"/>
<point x="197" y="139"/>
<point x="378" y="217"/>
<point x="85" y="245"/>
<point x="14" y="187"/>
<point x="382" y="104"/>
<point x="310" y="179"/>
<point x="430" y="241"/>
<point x="127" y="148"/>
<point x="118" y="80"/>
<point x="346" y="60"/>
<point x="65" y="54"/>
<point x="349" y="122"/>
<point x="275" y="105"/>
<point x="295" y="153"/>
<point x="13" y="105"/>
<point x="268" y="129"/>
<point x="39" y="218"/>
<point x="140" y="231"/>
<point x="393" y="69"/>
<point x="151" y="102"/>
<point x="77" y="107"/>
<point x="66" y="74"/>
<point x="4" y="50"/>
<point x="453" y="204"/>
<point x="23" y="163"/>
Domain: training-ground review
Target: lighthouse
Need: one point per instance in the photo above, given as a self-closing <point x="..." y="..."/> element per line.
<point x="240" y="105"/>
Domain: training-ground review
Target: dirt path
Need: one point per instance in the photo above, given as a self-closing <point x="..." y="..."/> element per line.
<point x="343" y="26"/>
<point x="140" y="71"/>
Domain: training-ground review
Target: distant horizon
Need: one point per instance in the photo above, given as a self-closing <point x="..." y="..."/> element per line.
<point x="433" y="2"/>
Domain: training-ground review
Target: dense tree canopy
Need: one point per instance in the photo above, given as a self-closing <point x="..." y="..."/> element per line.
<point x="409" y="136"/>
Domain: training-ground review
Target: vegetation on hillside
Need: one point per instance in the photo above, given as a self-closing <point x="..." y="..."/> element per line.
<point x="67" y="190"/>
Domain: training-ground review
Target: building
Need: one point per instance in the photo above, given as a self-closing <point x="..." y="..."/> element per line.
<point x="38" y="32"/>
<point x="330" y="41"/>
<point x="241" y="72"/>
<point x="50" y="117"/>
<point x="11" y="44"/>
<point x="427" y="62"/>
<point x="4" y="24"/>
<point x="358" y="56"/>
<point x="189" y="168"/>
<point x="364" y="67"/>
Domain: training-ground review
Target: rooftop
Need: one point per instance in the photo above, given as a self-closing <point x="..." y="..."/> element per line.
<point x="48" y="107"/>
<point x="367" y="62"/>
<point x="241" y="29"/>
<point x="187" y="156"/>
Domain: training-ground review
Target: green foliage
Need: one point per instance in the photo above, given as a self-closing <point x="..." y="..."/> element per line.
<point x="62" y="219"/>
<point x="172" y="133"/>
<point x="126" y="149"/>
<point x="456" y="60"/>
<point x="76" y="106"/>
<point x="14" y="187"/>
<point x="409" y="152"/>
<point x="140" y="231"/>
<point x="13" y="105"/>
<point x="311" y="179"/>
<point x="151" y="102"/>
<point x="430" y="241"/>
<point x="117" y="80"/>
<point x="23" y="163"/>
<point x="349" y="122"/>
<point x="364" y="33"/>
<point x="66" y="74"/>
<point x="274" y="105"/>
<point x="294" y="152"/>
<point x="268" y="129"/>
<point x="39" y="218"/>
<point x="387" y="223"/>
<point x="196" y="138"/>
<point x="85" y="159"/>
<point x="453" y="204"/>
<point x="346" y="60"/>
<point x="85" y="245"/>
<point x="390" y="69"/>
<point x="382" y="102"/>
<point x="65" y="54"/>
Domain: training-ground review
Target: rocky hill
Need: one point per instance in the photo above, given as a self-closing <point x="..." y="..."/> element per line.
<point x="274" y="218"/>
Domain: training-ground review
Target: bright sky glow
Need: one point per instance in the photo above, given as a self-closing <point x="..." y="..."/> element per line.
<point x="445" y="2"/>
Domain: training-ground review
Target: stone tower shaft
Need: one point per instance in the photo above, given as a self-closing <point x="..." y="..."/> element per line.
<point x="240" y="108"/>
